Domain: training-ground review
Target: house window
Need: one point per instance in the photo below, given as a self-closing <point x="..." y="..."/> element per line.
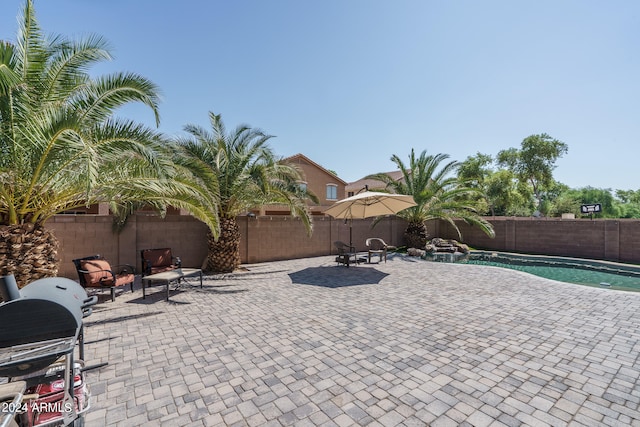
<point x="332" y="192"/>
<point x="302" y="186"/>
<point x="351" y="193"/>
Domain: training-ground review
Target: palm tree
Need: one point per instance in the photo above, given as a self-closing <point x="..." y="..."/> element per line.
<point x="61" y="147"/>
<point x="437" y="192"/>
<point x="243" y="173"/>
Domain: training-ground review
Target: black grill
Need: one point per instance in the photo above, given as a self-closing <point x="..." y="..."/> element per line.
<point x="39" y="323"/>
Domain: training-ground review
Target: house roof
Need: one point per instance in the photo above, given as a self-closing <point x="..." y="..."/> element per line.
<point x="372" y="183"/>
<point x="301" y="158"/>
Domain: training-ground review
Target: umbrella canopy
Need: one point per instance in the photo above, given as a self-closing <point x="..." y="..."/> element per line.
<point x="370" y="203"/>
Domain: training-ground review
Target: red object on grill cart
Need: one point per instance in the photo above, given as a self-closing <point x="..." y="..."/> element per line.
<point x="49" y="407"/>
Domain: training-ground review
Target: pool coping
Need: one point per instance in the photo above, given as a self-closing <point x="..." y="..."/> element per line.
<point x="553" y="260"/>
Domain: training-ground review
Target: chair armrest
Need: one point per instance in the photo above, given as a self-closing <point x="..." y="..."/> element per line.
<point x="146" y="267"/>
<point x="125" y="268"/>
<point x="347" y="251"/>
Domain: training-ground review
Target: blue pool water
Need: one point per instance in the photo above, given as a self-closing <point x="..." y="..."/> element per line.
<point x="590" y="273"/>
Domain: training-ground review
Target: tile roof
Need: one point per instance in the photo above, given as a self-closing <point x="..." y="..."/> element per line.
<point x="372" y="183"/>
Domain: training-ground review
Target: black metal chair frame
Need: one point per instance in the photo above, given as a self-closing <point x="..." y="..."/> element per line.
<point x="345" y="253"/>
<point x="125" y="267"/>
<point x="147" y="263"/>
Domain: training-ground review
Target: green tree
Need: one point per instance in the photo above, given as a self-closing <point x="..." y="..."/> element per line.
<point x="61" y="147"/>
<point x="603" y="196"/>
<point x="534" y="162"/>
<point x="506" y="195"/>
<point x="438" y="194"/>
<point x="628" y="196"/>
<point x="629" y="210"/>
<point x="242" y="173"/>
<point x="548" y="201"/>
<point x="474" y="170"/>
<point x="500" y="190"/>
<point x="567" y="201"/>
<point x="628" y="203"/>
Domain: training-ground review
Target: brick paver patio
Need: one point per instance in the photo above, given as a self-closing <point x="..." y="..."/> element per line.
<point x="405" y="343"/>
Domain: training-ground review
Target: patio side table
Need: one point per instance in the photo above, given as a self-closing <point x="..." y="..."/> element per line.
<point x="170" y="276"/>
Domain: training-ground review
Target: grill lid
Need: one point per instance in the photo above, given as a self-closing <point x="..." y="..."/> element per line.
<point x="41" y="325"/>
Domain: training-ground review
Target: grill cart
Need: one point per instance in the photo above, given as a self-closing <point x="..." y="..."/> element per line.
<point x="40" y="328"/>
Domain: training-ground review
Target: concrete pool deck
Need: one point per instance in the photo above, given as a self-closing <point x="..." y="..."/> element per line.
<point x="308" y="343"/>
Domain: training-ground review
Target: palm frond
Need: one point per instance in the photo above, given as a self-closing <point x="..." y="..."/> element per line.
<point x="68" y="67"/>
<point x="99" y="98"/>
<point x="246" y="171"/>
<point x="31" y="44"/>
<point x="8" y="75"/>
<point x="431" y="180"/>
<point x="61" y="146"/>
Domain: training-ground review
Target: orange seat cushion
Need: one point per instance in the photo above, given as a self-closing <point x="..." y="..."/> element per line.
<point x="97" y="270"/>
<point x="121" y="280"/>
<point x="159" y="257"/>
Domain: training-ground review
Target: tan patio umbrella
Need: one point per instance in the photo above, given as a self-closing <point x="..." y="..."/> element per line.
<point x="369" y="204"/>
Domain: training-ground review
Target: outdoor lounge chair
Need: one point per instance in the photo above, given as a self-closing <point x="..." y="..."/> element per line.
<point x="378" y="247"/>
<point x="346" y="254"/>
<point x="96" y="272"/>
<point x="158" y="261"/>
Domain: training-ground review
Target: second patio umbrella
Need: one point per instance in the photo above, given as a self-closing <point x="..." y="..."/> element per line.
<point x="369" y="204"/>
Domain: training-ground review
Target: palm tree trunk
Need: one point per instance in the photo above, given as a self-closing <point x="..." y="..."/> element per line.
<point x="416" y="235"/>
<point x="224" y="255"/>
<point x="29" y="252"/>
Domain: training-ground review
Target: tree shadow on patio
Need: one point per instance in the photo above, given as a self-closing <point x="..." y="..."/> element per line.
<point x="337" y="277"/>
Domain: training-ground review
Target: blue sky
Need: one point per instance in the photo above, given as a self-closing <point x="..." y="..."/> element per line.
<point x="349" y="83"/>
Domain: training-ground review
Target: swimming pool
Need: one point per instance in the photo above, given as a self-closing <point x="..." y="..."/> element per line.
<point x="602" y="274"/>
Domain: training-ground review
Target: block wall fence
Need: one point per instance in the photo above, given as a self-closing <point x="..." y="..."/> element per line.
<point x="263" y="238"/>
<point x="270" y="238"/>
<point x="603" y="239"/>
